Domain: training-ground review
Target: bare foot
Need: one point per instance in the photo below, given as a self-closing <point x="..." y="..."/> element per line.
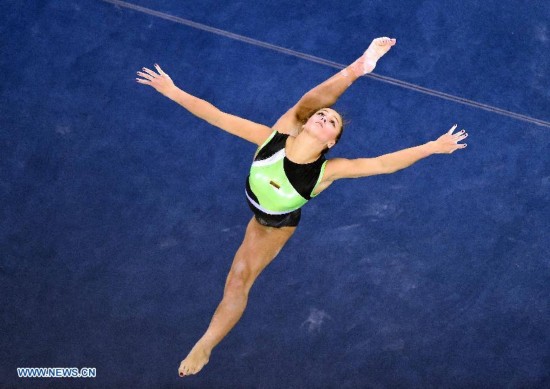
<point x="367" y="62"/>
<point x="195" y="361"/>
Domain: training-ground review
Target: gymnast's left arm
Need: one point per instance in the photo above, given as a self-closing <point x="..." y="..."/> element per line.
<point x="447" y="143"/>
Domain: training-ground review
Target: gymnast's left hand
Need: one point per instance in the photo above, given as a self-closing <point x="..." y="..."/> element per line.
<point x="448" y="142"/>
<point x="160" y="81"/>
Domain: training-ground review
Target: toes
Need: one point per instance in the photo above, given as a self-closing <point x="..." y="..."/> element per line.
<point x="385" y="41"/>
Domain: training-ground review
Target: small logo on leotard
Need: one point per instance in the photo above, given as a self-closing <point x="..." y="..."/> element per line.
<point x="275" y="184"/>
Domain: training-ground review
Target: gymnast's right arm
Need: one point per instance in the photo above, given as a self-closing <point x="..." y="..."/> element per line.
<point x="246" y="129"/>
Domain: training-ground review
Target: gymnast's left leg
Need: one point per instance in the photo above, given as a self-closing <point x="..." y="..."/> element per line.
<point x="260" y="246"/>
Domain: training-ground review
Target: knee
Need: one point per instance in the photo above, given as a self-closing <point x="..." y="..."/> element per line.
<point x="239" y="279"/>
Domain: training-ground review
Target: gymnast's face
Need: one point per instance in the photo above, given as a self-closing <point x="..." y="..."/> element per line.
<point x="326" y="125"/>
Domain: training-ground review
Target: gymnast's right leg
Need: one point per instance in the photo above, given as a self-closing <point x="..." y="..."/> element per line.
<point x="327" y="93"/>
<point x="259" y="247"/>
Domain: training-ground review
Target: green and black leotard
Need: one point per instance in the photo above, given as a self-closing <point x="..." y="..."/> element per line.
<point x="276" y="187"/>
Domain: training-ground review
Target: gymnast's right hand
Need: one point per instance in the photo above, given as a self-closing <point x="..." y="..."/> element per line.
<point x="160" y="81"/>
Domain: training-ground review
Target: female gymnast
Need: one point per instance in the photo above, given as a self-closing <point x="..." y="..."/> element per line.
<point x="289" y="168"/>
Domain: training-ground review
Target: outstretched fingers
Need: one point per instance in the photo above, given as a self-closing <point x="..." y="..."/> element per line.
<point x="161" y="72"/>
<point x="146" y="76"/>
<point x="150" y="72"/>
<point x="449" y="142"/>
<point x="150" y="75"/>
<point x="459" y="146"/>
<point x="160" y="81"/>
<point x="460" y="136"/>
<point x="452" y="129"/>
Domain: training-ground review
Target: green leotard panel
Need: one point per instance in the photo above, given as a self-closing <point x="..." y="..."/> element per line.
<point x="271" y="186"/>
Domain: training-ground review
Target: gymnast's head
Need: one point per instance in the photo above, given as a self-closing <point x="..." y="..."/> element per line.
<point x="326" y="125"/>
